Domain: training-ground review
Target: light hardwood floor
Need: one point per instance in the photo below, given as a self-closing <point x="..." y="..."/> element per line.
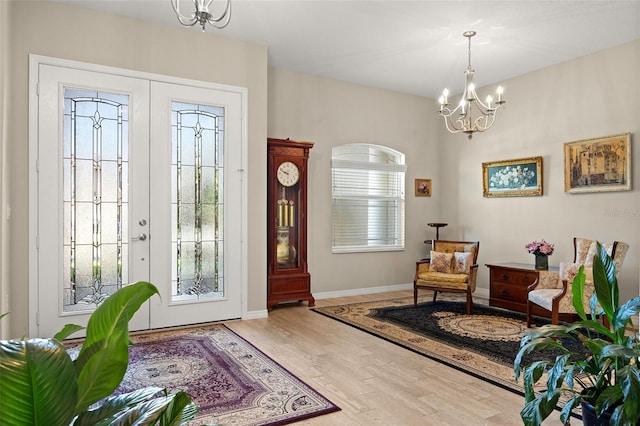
<point x="374" y="381"/>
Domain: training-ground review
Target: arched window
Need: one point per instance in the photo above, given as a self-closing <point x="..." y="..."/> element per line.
<point x="368" y="198"/>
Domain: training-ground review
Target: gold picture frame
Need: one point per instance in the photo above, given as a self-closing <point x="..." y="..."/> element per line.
<point x="512" y="178"/>
<point x="423" y="187"/>
<point x="598" y="164"/>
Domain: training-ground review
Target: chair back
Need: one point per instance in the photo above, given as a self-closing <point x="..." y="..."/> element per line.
<point x="585" y="250"/>
<point x="446" y="246"/>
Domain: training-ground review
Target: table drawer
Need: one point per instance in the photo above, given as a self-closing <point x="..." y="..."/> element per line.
<point x="509" y="292"/>
<point x="523" y="278"/>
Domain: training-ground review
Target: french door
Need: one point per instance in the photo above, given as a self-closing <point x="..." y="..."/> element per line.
<point x="137" y="180"/>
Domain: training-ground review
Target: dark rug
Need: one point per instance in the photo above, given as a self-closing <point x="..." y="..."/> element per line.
<point x="483" y="344"/>
<point x="233" y="382"/>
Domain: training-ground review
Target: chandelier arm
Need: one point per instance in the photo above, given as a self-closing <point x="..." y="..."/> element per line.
<point x="224" y="18"/>
<point x="186" y="21"/>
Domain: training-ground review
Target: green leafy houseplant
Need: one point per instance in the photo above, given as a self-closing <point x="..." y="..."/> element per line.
<point x="606" y="374"/>
<point x="42" y="385"/>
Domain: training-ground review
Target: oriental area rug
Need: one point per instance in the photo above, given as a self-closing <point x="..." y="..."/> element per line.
<point x="232" y="381"/>
<point x="483" y="344"/>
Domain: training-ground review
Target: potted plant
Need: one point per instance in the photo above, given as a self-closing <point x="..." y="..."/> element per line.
<point x="43" y="385"/>
<point x="603" y="377"/>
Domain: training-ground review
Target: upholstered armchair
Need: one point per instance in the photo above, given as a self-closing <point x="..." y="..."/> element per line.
<point x="452" y="267"/>
<point x="552" y="291"/>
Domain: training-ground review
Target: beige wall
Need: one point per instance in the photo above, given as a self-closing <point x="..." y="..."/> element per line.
<point x="597" y="95"/>
<point x="331" y="113"/>
<point x="592" y="96"/>
<point x="5" y="24"/>
<point x="84" y="35"/>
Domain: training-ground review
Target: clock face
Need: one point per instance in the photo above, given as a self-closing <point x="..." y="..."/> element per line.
<point x="288" y="174"/>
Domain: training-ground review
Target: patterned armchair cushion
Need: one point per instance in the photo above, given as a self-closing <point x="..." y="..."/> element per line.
<point x="453" y="246"/>
<point x="591" y="253"/>
<point x="549" y="280"/>
<point x="462" y="262"/>
<point x="568" y="271"/>
<point x="582" y="248"/>
<point x="443" y="280"/>
<point x="441" y="262"/>
<point x="586" y="250"/>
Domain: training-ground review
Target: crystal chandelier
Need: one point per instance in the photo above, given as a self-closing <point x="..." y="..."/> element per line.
<point x="471" y="114"/>
<point x="201" y="15"/>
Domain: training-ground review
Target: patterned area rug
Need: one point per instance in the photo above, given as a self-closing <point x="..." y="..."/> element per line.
<point x="233" y="382"/>
<point x="483" y="344"/>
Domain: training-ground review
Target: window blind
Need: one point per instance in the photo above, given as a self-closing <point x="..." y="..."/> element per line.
<point x="368" y="200"/>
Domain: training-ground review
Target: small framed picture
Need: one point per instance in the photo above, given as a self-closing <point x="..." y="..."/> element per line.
<point x="423" y="187"/>
<point x="598" y="165"/>
<point x="512" y="178"/>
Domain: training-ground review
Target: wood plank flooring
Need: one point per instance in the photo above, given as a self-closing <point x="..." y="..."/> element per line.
<point x="374" y="381"/>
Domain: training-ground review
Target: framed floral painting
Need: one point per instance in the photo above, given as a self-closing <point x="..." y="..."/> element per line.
<point x="423" y="187"/>
<point x="598" y="165"/>
<point x="512" y="178"/>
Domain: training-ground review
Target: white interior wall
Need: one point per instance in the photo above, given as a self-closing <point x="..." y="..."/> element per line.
<point x="4" y="225"/>
<point x="593" y="96"/>
<point x="330" y="113"/>
<point x="84" y="35"/>
<point x="597" y="95"/>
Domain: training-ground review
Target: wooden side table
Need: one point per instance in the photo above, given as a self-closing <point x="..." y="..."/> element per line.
<point x="508" y="284"/>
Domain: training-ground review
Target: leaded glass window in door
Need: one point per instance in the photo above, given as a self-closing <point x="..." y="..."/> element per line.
<point x="95" y="176"/>
<point x="197" y="201"/>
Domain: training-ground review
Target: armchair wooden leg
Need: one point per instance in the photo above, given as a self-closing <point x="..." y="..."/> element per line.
<point x="469" y="303"/>
<point x="529" y="309"/>
<point x="435" y="293"/>
<point x="554" y="317"/>
<point x="415" y="295"/>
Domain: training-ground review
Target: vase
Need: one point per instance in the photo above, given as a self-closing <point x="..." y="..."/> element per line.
<point x="542" y="262"/>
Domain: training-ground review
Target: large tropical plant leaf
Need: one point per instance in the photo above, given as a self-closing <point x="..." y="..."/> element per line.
<point x="605" y="281"/>
<point x="180" y="410"/>
<point x="104" y="357"/>
<point x="112" y="407"/>
<point x="534" y="412"/>
<point x="628" y="310"/>
<point x="577" y="292"/>
<point x="38" y="383"/>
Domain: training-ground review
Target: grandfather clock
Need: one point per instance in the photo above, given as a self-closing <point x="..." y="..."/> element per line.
<point x="288" y="278"/>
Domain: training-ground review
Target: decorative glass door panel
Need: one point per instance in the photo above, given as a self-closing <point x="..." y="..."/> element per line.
<point x="197" y="223"/>
<point x="92" y="193"/>
<point x="137" y="180"/>
<point x="197" y="208"/>
<point x="95" y="199"/>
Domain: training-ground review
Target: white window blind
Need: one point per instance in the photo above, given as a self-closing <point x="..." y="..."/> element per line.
<point x="368" y="198"/>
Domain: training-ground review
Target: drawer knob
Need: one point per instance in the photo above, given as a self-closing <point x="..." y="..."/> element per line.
<point x="505" y="277"/>
<point x="505" y="292"/>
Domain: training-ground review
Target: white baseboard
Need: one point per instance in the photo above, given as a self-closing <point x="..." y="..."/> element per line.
<point x="362" y="291"/>
<point x="481" y="292"/>
<point x="263" y="313"/>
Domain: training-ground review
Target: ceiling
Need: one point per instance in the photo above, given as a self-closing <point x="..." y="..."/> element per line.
<point x="414" y="46"/>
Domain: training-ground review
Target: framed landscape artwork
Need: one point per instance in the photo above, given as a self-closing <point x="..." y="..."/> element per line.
<point x="512" y="178"/>
<point x="423" y="187"/>
<point x="598" y="164"/>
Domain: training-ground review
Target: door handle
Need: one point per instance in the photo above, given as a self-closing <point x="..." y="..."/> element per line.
<point x="140" y="237"/>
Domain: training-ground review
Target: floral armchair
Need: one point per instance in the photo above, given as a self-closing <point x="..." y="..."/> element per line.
<point x="552" y="291"/>
<point x="452" y="267"/>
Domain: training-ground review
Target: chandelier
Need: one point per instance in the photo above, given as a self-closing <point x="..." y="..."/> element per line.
<point x="201" y="15"/>
<point x="471" y="115"/>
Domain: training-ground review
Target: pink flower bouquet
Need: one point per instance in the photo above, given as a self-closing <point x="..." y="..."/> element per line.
<point x="540" y="247"/>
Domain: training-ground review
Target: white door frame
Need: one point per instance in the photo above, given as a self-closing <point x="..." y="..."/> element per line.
<point x="34" y="62"/>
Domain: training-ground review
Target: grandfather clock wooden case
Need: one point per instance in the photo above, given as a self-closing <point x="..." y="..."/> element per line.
<point x="288" y="278"/>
